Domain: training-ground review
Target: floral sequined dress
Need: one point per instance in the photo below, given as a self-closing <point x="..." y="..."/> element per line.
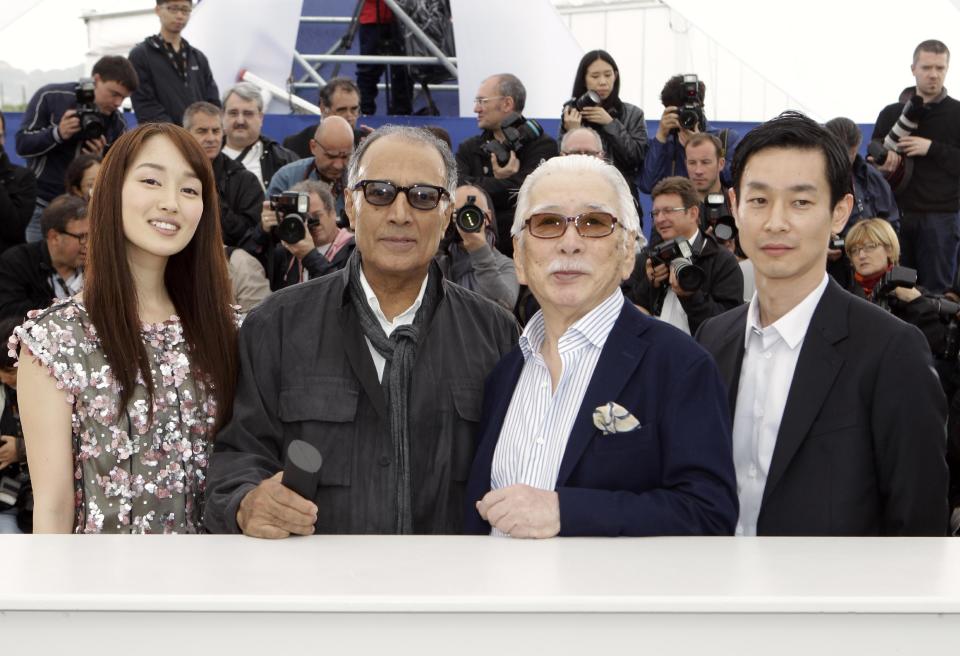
<point x="132" y="475"/>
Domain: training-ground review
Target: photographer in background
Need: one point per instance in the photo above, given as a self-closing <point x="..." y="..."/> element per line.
<point x="874" y="252"/>
<point x="311" y="245"/>
<point x="872" y="196"/>
<point x="18" y="195"/>
<point x="66" y="119"/>
<point x="498" y="160"/>
<point x="16" y="497"/>
<point x="467" y="255"/>
<point x="596" y="104"/>
<point x="682" y="97"/>
<point x="687" y="277"/>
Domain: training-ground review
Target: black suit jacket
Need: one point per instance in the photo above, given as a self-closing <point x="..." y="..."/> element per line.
<point x="862" y="438"/>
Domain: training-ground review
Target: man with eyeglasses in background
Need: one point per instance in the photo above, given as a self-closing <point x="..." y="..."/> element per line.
<point x="172" y="73"/>
<point x="501" y="97"/>
<point x="244" y="141"/>
<point x="33" y="275"/>
<point x="378" y="367"/>
<point x="602" y="421"/>
<point x="687" y="277"/>
<point x="582" y="141"/>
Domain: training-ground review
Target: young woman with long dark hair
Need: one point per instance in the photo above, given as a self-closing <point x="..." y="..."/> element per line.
<point x="145" y="359"/>
<point x="620" y="125"/>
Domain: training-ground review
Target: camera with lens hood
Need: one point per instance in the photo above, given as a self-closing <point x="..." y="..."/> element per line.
<point x="690" y="112"/>
<point x="678" y="254"/>
<point x="517" y="132"/>
<point x="469" y="218"/>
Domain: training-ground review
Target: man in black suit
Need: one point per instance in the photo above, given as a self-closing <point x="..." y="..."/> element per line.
<point x="838" y="416"/>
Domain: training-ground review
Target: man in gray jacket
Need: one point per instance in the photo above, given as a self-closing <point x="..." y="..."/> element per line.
<point x="379" y="367"/>
<point x="469" y="259"/>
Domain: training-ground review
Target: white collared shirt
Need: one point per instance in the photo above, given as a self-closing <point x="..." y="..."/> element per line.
<point x="251" y="160"/>
<point x="538" y="422"/>
<point x="405" y="318"/>
<point x="769" y="361"/>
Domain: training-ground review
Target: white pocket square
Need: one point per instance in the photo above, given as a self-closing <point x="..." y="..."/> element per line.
<point x="614" y="418"/>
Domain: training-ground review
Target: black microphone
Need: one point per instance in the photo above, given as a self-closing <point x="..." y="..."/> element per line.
<point x="302" y="471"/>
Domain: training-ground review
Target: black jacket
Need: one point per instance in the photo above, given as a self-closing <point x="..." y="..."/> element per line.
<point x="285" y="272"/>
<point x="273" y="157"/>
<point x="25" y="272"/>
<point x="39" y="141"/>
<point x="923" y="312"/>
<point x="935" y="184"/>
<point x="722" y="288"/>
<point x="860" y="450"/>
<point x="624" y="140"/>
<point x="473" y="166"/>
<point x="18" y="195"/>
<point x="294" y="385"/>
<point x="241" y="200"/>
<point x="164" y="95"/>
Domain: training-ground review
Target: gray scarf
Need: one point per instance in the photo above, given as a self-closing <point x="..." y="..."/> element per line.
<point x="400" y="351"/>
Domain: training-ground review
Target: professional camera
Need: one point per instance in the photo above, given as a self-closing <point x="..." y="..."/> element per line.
<point x="517" y="132"/>
<point x="678" y="254"/>
<point x="291" y="207"/>
<point x="898" y="276"/>
<point x="469" y="218"/>
<point x="717" y="216"/>
<point x="837" y="243"/>
<point x="691" y="111"/>
<point x="92" y="125"/>
<point x="589" y="99"/>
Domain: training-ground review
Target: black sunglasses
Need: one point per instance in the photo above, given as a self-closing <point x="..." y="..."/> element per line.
<point x="383" y="192"/>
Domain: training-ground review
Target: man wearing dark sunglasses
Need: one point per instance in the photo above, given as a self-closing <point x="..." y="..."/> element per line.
<point x="603" y="421"/>
<point x="378" y="366"/>
<point x="33" y="275"/>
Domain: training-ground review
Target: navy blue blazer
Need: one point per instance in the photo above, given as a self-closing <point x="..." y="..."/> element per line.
<point x="673" y="475"/>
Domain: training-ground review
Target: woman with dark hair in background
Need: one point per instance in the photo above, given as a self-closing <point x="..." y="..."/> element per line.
<point x="620" y="125"/>
<point x="146" y="358"/>
<point x="81" y="174"/>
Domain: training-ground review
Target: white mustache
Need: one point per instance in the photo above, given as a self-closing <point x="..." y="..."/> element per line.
<point x="568" y="265"/>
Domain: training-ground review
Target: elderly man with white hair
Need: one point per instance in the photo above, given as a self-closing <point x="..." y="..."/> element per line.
<point x="603" y="421"/>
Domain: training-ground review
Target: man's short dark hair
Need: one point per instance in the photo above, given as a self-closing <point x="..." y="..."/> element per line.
<point x="510" y="85"/>
<point x="61" y="211"/>
<point x="114" y="68"/>
<point x="678" y="185"/>
<point x="706" y="137"/>
<point x="199" y="107"/>
<point x="333" y="85"/>
<point x="845" y="130"/>
<point x="931" y="45"/>
<point x="440" y="134"/>
<point x="797" y="131"/>
<point x="672" y="93"/>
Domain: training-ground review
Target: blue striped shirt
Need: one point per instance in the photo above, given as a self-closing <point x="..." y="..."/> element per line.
<point x="538" y="422"/>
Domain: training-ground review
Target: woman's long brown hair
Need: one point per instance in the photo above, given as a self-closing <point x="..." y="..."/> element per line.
<point x="196" y="278"/>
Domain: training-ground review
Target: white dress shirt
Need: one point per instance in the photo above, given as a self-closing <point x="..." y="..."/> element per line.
<point x="538" y="422"/>
<point x="251" y="161"/>
<point x="405" y="318"/>
<point x="769" y="361"/>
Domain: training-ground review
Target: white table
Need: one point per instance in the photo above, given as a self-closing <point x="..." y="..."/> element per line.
<point x="470" y="595"/>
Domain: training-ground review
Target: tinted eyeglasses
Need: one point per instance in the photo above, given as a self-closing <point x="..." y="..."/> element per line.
<point x="383" y="192"/>
<point x="589" y="224"/>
